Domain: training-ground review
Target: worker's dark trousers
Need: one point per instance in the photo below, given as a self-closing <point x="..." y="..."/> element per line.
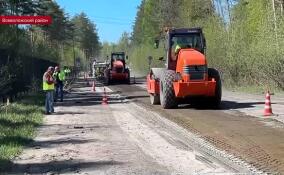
<point x="58" y="92"/>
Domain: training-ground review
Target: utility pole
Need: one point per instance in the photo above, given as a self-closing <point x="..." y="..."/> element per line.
<point x="229" y="11"/>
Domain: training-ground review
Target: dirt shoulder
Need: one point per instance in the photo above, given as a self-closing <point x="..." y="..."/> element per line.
<point x="83" y="137"/>
<point x="253" y="104"/>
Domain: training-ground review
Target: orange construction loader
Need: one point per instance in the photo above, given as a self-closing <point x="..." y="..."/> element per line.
<point x="186" y="75"/>
<point x="117" y="71"/>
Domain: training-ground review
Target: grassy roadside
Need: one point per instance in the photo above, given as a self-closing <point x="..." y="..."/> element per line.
<point x="18" y="123"/>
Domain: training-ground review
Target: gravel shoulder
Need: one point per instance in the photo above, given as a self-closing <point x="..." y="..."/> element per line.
<point x="83" y="137"/>
<point x="256" y="139"/>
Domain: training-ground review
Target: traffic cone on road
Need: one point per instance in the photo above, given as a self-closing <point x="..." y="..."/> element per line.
<point x="94" y="86"/>
<point x="104" y="101"/>
<point x="267" y="107"/>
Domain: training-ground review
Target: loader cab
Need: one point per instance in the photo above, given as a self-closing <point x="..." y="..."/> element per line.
<point x="118" y="56"/>
<point x="183" y="39"/>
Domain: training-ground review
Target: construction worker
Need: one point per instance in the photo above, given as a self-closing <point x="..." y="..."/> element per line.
<point x="59" y="77"/>
<point x="181" y="44"/>
<point x="48" y="87"/>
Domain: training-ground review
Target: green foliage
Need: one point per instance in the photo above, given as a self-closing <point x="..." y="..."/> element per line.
<point x="124" y="42"/>
<point x="85" y="33"/>
<point x="123" y="45"/>
<point x="49" y="42"/>
<point x="139" y="58"/>
<point x="61" y="27"/>
<point x="244" y="38"/>
<point x="106" y="50"/>
<point x="59" y="43"/>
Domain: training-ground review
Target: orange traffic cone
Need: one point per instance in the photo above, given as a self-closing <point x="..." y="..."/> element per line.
<point x="104" y="101"/>
<point x="94" y="86"/>
<point x="267" y="107"/>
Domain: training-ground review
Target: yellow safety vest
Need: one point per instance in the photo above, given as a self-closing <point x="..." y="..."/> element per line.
<point x="61" y="76"/>
<point x="46" y="86"/>
<point x="178" y="47"/>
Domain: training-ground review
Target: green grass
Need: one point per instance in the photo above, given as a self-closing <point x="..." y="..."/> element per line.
<point x="18" y="123"/>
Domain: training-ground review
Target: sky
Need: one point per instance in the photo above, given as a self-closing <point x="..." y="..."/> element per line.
<point x="112" y="17"/>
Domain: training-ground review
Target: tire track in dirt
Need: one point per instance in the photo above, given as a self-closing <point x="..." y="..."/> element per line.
<point x="245" y="137"/>
<point x="153" y="139"/>
<point x="235" y="143"/>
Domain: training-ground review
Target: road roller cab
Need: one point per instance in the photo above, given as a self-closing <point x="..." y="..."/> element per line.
<point x="186" y="75"/>
<point x="117" y="71"/>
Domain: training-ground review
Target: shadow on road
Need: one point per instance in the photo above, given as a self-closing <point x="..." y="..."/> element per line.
<point x="51" y="143"/>
<point x="67" y="112"/>
<point x="66" y="166"/>
<point x="136" y="96"/>
<point x="87" y="103"/>
<point x="88" y="98"/>
<point x="225" y="105"/>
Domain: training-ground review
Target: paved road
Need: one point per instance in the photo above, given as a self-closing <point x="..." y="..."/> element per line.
<point x="129" y="136"/>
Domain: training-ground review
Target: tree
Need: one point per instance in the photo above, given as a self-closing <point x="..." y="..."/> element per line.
<point x="124" y="42"/>
<point x="86" y="34"/>
<point x="46" y="45"/>
<point x="245" y="39"/>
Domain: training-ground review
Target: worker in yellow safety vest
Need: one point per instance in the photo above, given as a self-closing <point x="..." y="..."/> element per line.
<point x="59" y="77"/>
<point x="48" y="87"/>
